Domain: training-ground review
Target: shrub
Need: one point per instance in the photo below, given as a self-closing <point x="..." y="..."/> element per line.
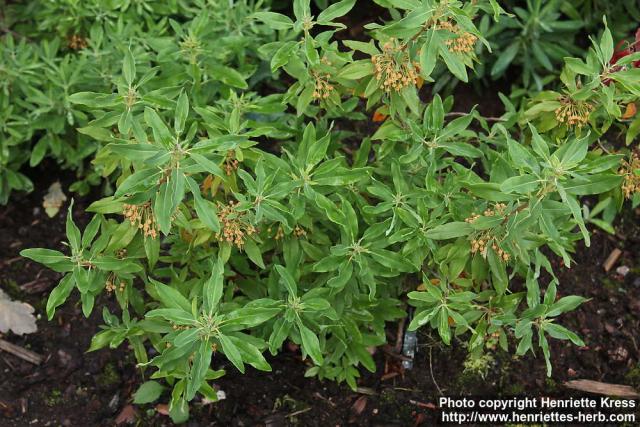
<point x="252" y="204"/>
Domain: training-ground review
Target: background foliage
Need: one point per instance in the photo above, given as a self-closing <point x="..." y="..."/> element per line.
<point x="270" y="176"/>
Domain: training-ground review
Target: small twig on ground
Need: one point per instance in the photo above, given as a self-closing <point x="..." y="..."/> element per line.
<point x="9" y="364"/>
<point x="400" y="335"/>
<point x="366" y="390"/>
<point x="27" y="286"/>
<point x="388" y="350"/>
<point x="301" y="411"/>
<point x="422" y="404"/>
<point x="433" y="378"/>
<point x="612" y="259"/>
<point x="20" y="352"/>
<point x="390" y="375"/>
<point x="11" y="260"/>
<point x="633" y="341"/>
<point x="319" y="396"/>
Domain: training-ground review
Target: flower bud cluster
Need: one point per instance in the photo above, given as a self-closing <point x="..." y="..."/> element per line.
<point x="141" y="217"/>
<point x="235" y="227"/>
<point x="322" y="88"/>
<point x="573" y="113"/>
<point x="299" y="231"/>
<point x="230" y="163"/>
<point x="393" y="67"/>
<point x="110" y="286"/>
<point x="77" y="42"/>
<point x="631" y="182"/>
<point x="482" y="243"/>
<point x="462" y="42"/>
<point x="498" y="209"/>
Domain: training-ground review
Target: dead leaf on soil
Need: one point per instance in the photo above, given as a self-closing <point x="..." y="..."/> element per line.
<point x="162" y="408"/>
<point x="54" y="199"/>
<point x="16" y="316"/>
<point x="359" y="405"/>
<point x="127" y="415"/>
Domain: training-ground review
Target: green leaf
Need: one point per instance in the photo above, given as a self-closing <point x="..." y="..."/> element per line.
<point x="449" y="231"/>
<point x="525" y="342"/>
<point x="171" y="297"/>
<point x="505" y="58"/>
<point x="162" y="207"/>
<point x="91" y="230"/>
<point x="356" y="70"/>
<point x="429" y="53"/>
<point x="177" y="188"/>
<point x="38" y="152"/>
<point x="392" y="260"/>
<point x="454" y="63"/>
<point x="198" y="373"/>
<point x="498" y="271"/>
<point x="368" y="48"/>
<point x="335" y="10"/>
<point x="175" y="315"/>
<point x="573" y="152"/>
<point x="564" y="305"/>
<point x="301" y="9"/>
<point x="253" y="252"/>
<point x="544" y="345"/>
<point x="606" y="45"/>
<point x="521" y="157"/>
<point x="206" y="210"/>
<point x="182" y="111"/>
<point x="489" y="191"/>
<point x="213" y="287"/>
<point x="207" y="164"/>
<point x="276" y="21"/>
<point x="251" y="355"/>
<point x="279" y="333"/>
<point x="231" y="351"/>
<point x="160" y="130"/>
<point x="129" y="67"/>
<point x="136" y="152"/>
<point x="73" y="232"/>
<point x="148" y="392"/>
<point x="228" y="76"/>
<point x="179" y="411"/>
<point x="101" y="340"/>
<point x="422" y="296"/>
<point x="288" y="280"/>
<point x="44" y="256"/>
<point x="137" y="182"/>
<point x="59" y="295"/>
<point x="310" y="343"/>
<point x="443" y="325"/>
<point x="93" y="99"/>
<point x="304" y="99"/>
<point x="562" y="333"/>
<point x="573" y="205"/>
<point x="540" y="146"/>
<point x="592" y="185"/>
<point x="252" y="314"/>
<point x="523" y="184"/>
<point x="421" y="318"/>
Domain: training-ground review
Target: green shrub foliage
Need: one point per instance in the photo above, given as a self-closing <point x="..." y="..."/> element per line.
<point x="270" y="179"/>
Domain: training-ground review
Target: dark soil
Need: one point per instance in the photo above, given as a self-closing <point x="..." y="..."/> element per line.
<point x="75" y="388"/>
